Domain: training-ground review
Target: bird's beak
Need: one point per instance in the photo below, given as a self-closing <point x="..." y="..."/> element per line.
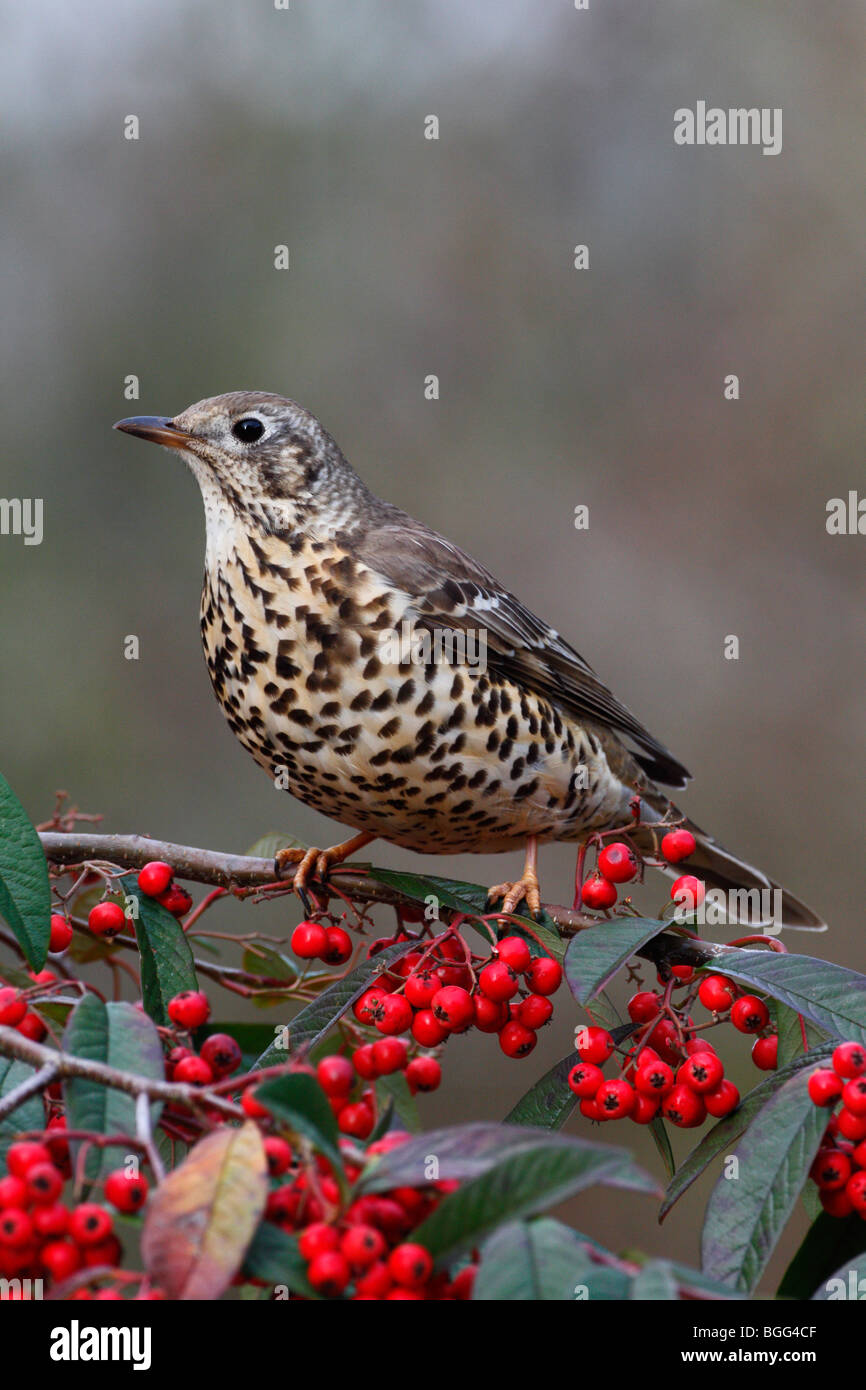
<point x="158" y="429"/>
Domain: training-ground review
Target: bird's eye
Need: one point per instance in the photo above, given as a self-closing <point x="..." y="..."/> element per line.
<point x="248" y="430"/>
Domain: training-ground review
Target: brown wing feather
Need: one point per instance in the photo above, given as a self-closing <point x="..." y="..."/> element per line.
<point x="449" y="589"/>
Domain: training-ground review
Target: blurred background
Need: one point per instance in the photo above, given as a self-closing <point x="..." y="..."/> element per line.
<point x="408" y="257"/>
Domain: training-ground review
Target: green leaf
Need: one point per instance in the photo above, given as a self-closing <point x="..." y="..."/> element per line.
<point x="120" y="1036"/>
<point x="267" y="846"/>
<point x="746" y="1215"/>
<point x="395" y="1089"/>
<point x="549" y="1102"/>
<point x="314" y="1021"/>
<point x="507" y="1172"/>
<point x="167" y="966"/>
<point x="790" y="1028"/>
<point x="659" y="1135"/>
<point x="298" y="1101"/>
<point x="828" y="994"/>
<point x="723" y="1135"/>
<point x="29" y="1115"/>
<point x="655" y="1283"/>
<point x="273" y="1256"/>
<point x="25" y="892"/>
<point x="830" y="1244"/>
<point x="594" y="956"/>
<point x="271" y="965"/>
<point x="471" y="899"/>
<point x="537" y="1261"/>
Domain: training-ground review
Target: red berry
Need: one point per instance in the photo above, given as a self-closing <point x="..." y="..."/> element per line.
<point x="544" y="975"/>
<point x="855" y="1191"/>
<point x="362" y="1246"/>
<point x="175" y="900"/>
<point x="750" y="1014"/>
<point x="665" y="1039"/>
<point x="278" y="1154"/>
<point x="309" y="940"/>
<point x="514" y="951"/>
<point x="222" y="1054"/>
<point x="589" y="1109"/>
<point x="61" y="934"/>
<point x="421" y="987"/>
<point x="329" y="1273"/>
<point x="716" y="993"/>
<point x="90" y="1224"/>
<point x="253" y="1108"/>
<point x="614" y="1100"/>
<point x="585" y="1079"/>
<point x="390" y="1055"/>
<point x="765" y="1052"/>
<point x="410" y="1265"/>
<point x="189" y="1009"/>
<point x="336" y="1074"/>
<point x="427" y="1030"/>
<point x="61" y="1258"/>
<point x="597" y="893"/>
<point x="318" y="1239"/>
<point x="155" y="877"/>
<point x="643" y="1006"/>
<point x="364" y="1064"/>
<point x="684" y="973"/>
<point x="498" y="981"/>
<point x="369" y="1007"/>
<point x="194" y="1071"/>
<point x="490" y="1016"/>
<point x="645" y="1110"/>
<point x="357" y="1120"/>
<point x="44" y="1184"/>
<point x="32" y="1027"/>
<point x="126" y="1191"/>
<point x="453" y="1007"/>
<point x="12" y="1007"/>
<point x="850" y="1126"/>
<point x="677" y="845"/>
<point x="423" y="1074"/>
<point x="534" y="1011"/>
<point x="654" y="1079"/>
<point x="338" y="946"/>
<point x="684" y="1107"/>
<point x="849" y="1060"/>
<point x="830" y="1169"/>
<point x="618" y="863"/>
<point x="594" y="1045"/>
<point x="723" y="1100"/>
<point x="688" y="892"/>
<point x="50" y="1221"/>
<point x="21" y="1157"/>
<point x="376" y="1283"/>
<point x="703" y="1072"/>
<point x="854" y="1095"/>
<point x="106" y="919"/>
<point x="396" y="1014"/>
<point x="516" y="1040"/>
<point x="836" y="1203"/>
<point x="825" y="1088"/>
<point x="16" y="1228"/>
<point x="13" y="1192"/>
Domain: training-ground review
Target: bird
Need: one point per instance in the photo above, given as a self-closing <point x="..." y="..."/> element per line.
<point x="384" y="677"/>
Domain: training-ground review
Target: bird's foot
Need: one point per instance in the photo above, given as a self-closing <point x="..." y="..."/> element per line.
<point x="317" y="863"/>
<point x="512" y="894"/>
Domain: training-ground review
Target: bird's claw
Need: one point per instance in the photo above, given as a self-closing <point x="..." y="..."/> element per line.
<point x="512" y="894"/>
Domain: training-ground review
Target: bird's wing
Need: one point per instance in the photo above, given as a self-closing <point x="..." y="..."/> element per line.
<point x="448" y="589"/>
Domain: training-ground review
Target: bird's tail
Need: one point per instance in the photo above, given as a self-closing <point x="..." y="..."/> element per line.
<point x="746" y="894"/>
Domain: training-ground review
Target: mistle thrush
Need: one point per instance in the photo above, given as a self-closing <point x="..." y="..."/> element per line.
<point x="338" y="633"/>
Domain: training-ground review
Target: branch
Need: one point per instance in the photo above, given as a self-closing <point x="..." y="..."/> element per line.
<point x="229" y="870"/>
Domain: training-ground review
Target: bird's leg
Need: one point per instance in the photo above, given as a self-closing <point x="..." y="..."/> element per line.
<point x="527" y="886"/>
<point x="317" y="863"/>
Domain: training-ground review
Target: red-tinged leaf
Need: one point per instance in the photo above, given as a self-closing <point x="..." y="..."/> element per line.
<point x="201" y="1220"/>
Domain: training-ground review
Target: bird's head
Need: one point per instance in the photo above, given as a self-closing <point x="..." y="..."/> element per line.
<point x="260" y="459"/>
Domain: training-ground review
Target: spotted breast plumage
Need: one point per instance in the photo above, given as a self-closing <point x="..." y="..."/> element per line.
<point x="384" y="677"/>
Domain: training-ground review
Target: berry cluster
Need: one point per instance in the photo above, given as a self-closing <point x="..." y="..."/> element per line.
<point x="364" y="1253"/>
<point x="445" y="989"/>
<point x="16" y="1013"/>
<point x="618" y="863"/>
<point x="839" y="1168"/>
<point x="668" y="1070"/>
<point x="41" y="1237"/>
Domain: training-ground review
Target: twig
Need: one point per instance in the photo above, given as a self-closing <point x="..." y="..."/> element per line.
<point x="17" y="1096"/>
